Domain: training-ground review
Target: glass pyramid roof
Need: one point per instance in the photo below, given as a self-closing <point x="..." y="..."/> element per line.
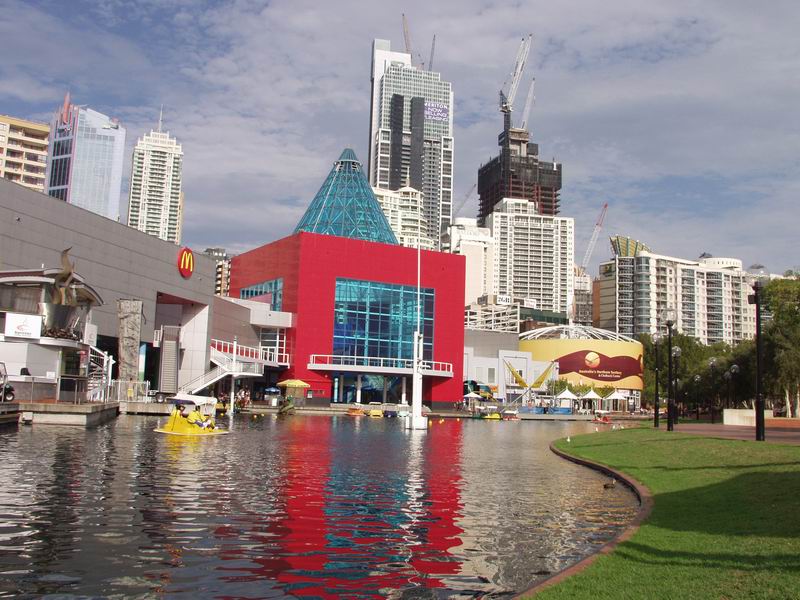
<point x="345" y="205"/>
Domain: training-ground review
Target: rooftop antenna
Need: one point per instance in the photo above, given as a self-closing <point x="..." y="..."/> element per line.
<point x="160" y="118"/>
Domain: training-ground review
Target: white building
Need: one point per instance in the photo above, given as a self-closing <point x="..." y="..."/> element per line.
<point x="709" y="296"/>
<point x="155" y="204"/>
<point x="404" y="211"/>
<point x="85" y="156"/>
<point x="23" y="151"/>
<point x="533" y="255"/>
<point x="582" y="298"/>
<point x="477" y="245"/>
<point x="411" y="133"/>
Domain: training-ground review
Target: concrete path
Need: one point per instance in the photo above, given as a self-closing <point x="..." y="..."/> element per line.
<point x="736" y="432"/>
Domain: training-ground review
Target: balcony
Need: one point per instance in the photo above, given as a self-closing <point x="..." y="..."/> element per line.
<point x="373" y="364"/>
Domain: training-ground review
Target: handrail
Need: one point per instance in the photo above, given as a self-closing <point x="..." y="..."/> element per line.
<point x="250" y="352"/>
<point x="379" y="362"/>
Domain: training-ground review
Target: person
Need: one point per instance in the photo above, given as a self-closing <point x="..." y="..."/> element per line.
<point x="196" y="418"/>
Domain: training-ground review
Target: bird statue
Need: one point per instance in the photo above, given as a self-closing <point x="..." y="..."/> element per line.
<point x="611" y="484"/>
<point x="596" y="429"/>
<point x="568" y="440"/>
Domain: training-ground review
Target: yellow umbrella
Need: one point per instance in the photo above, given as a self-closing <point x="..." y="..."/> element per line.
<point x="293" y="383"/>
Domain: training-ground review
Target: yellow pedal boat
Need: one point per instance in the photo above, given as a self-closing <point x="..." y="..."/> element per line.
<point x="178" y="424"/>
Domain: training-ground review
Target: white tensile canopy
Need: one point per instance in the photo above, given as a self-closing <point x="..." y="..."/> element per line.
<point x="566" y="394"/>
<point x="590" y="395"/>
<point x="616" y="395"/>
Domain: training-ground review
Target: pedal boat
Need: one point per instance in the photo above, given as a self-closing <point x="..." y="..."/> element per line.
<point x="179" y="425"/>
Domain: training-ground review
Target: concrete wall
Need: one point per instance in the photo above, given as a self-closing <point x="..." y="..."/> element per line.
<point x="40" y="360"/>
<point x="232" y="320"/>
<point x="116" y="260"/>
<point x="742" y="416"/>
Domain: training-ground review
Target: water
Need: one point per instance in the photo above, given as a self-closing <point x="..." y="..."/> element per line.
<point x="323" y="507"/>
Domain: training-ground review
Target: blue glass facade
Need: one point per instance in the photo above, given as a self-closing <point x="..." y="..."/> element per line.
<point x="273" y="286"/>
<point x="379" y="319"/>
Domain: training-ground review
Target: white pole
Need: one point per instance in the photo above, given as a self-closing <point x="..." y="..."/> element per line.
<point x="233" y="375"/>
<point x="417" y="420"/>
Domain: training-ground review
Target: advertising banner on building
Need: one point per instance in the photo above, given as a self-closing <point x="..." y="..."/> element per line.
<point x="596" y="362"/>
<point x="437" y="111"/>
<point x="23" y="326"/>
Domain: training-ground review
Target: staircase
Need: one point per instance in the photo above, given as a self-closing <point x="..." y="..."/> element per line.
<point x="225" y="367"/>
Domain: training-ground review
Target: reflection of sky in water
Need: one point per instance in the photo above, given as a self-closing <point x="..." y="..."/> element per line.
<point x="307" y="506"/>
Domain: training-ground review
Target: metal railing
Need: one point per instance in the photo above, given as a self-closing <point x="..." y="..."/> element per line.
<point x="250" y="352"/>
<point x="406" y="364"/>
<point x="129" y="391"/>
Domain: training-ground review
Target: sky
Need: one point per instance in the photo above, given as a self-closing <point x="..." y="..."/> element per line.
<point x="682" y="116"/>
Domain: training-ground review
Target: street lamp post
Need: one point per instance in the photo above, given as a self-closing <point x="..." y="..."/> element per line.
<point x="697" y="380"/>
<point x="656" y="339"/>
<point x="756" y="298"/>
<point x="673" y="418"/>
<point x="668" y="316"/>
<point x="727" y="377"/>
<point x="734" y="371"/>
<point x="712" y="363"/>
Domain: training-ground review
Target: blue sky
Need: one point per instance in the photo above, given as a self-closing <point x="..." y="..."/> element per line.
<point x="681" y="115"/>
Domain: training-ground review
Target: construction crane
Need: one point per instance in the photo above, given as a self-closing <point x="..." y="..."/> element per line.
<point x="507" y="97"/>
<point x="528" y="103"/>
<point x="593" y="240"/>
<point x="464" y="200"/>
<point x="433" y="47"/>
<point x="407" y="37"/>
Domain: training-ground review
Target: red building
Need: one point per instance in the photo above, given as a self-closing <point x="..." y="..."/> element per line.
<point x="355" y="302"/>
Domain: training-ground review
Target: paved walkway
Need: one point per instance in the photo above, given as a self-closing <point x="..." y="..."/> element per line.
<point x="736" y="432"/>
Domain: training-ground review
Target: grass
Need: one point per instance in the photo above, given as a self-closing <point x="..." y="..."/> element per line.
<point x="725" y="523"/>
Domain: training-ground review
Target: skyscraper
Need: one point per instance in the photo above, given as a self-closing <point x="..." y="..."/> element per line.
<point x="155" y="204"/>
<point x="411" y="133"/>
<point x="84" y="163"/>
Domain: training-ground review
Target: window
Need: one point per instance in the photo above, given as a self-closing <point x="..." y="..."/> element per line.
<point x="379" y="319"/>
<point x="272" y="288"/>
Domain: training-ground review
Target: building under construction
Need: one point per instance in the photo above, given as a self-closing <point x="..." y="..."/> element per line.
<point x="517" y="172"/>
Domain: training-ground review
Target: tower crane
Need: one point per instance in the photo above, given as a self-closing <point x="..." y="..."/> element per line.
<point x="433" y="47"/>
<point x="528" y="103"/>
<point x="464" y="200"/>
<point x="507" y="97"/>
<point x="407" y="37"/>
<point x="593" y="240"/>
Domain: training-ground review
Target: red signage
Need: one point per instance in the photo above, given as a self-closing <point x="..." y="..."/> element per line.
<point x="185" y="263"/>
<point x="599" y="366"/>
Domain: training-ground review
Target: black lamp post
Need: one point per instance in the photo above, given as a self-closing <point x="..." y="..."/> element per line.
<point x="734" y="371"/>
<point x="668" y="316"/>
<point x="656" y="339"/>
<point x="727" y="377"/>
<point x="712" y="363"/>
<point x="756" y="298"/>
<point x="676" y="357"/>
<point x="697" y="380"/>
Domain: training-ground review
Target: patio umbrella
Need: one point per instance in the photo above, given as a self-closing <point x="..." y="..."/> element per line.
<point x="472" y="395"/>
<point x="293" y="383"/>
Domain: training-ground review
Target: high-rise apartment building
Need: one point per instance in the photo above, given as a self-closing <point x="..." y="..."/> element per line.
<point x="517" y="172"/>
<point x="582" y="298"/>
<point x="709" y="296"/>
<point x="411" y="133"/>
<point x="476" y="244"/>
<point x="222" y="283"/>
<point x="155" y="204"/>
<point x="23" y="151"/>
<point x="405" y="212"/>
<point x="534" y="255"/>
<point x="84" y="166"/>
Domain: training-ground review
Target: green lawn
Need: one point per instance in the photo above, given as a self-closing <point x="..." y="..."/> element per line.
<point x="726" y="520"/>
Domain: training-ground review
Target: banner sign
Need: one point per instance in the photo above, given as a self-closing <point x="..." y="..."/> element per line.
<point x="23" y="326"/>
<point x="437" y="111"/>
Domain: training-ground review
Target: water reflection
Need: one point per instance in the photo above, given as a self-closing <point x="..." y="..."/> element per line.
<point x="305" y="507"/>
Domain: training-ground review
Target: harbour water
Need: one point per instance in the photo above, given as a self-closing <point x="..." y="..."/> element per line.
<point x="306" y="506"/>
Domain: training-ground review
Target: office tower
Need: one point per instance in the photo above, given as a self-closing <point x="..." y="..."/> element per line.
<point x="517" y="172"/>
<point x="84" y="166"/>
<point x="222" y="283"/>
<point x="476" y="244"/>
<point x="405" y="212"/>
<point x="155" y="204"/>
<point x="411" y="133"/>
<point x="534" y="255"/>
<point x="709" y="295"/>
<point x="23" y="151"/>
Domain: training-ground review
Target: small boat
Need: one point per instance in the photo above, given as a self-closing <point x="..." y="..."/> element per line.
<point x="490" y="413"/>
<point x="510" y="415"/>
<point x="605" y="419"/>
<point x="286" y="407"/>
<point x="354" y="411"/>
<point x="184" y="405"/>
<point x="375" y="410"/>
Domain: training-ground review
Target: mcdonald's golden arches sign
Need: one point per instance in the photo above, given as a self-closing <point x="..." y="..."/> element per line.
<point x="185" y="262"/>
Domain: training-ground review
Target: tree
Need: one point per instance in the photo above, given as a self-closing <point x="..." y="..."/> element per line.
<point x="782" y="340"/>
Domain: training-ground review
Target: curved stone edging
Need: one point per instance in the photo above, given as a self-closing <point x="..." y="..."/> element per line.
<point x="645" y="508"/>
